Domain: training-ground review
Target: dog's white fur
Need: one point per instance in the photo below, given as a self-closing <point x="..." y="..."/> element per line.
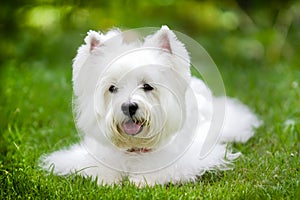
<point x="177" y="115"/>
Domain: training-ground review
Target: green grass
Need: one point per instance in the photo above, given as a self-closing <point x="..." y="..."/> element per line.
<point x="36" y="118"/>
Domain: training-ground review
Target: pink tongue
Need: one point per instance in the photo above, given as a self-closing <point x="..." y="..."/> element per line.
<point x="131" y="128"/>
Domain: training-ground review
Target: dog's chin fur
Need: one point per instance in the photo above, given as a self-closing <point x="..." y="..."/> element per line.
<point x="166" y="134"/>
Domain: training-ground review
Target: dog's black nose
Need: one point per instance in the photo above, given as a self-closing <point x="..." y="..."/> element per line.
<point x="129" y="109"/>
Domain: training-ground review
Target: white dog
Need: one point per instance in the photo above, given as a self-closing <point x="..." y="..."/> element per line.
<point x="143" y="117"/>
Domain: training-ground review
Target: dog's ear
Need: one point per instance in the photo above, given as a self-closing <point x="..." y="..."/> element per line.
<point x="96" y="39"/>
<point x="163" y="37"/>
<point x="92" y="40"/>
<point x="167" y="41"/>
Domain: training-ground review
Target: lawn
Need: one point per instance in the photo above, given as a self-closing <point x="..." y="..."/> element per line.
<point x="255" y="46"/>
<point x="36" y="118"/>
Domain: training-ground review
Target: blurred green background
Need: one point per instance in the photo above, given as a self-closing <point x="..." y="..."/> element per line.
<point x="255" y="45"/>
<point x="46" y="33"/>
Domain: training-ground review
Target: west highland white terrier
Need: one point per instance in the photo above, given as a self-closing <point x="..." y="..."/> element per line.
<point x="143" y="117"/>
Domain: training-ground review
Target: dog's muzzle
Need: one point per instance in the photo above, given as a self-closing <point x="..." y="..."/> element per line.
<point x="132" y="126"/>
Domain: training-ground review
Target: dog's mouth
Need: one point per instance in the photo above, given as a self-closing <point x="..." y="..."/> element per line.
<point x="132" y="127"/>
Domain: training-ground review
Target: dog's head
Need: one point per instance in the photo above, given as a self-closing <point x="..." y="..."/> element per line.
<point x="137" y="88"/>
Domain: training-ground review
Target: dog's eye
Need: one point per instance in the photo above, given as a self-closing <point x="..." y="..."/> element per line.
<point x="147" y="87"/>
<point x="112" y="89"/>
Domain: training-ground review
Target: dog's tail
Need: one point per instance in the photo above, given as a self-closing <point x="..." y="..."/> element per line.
<point x="239" y="122"/>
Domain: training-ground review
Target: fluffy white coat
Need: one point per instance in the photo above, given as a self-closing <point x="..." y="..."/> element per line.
<point x="180" y="109"/>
